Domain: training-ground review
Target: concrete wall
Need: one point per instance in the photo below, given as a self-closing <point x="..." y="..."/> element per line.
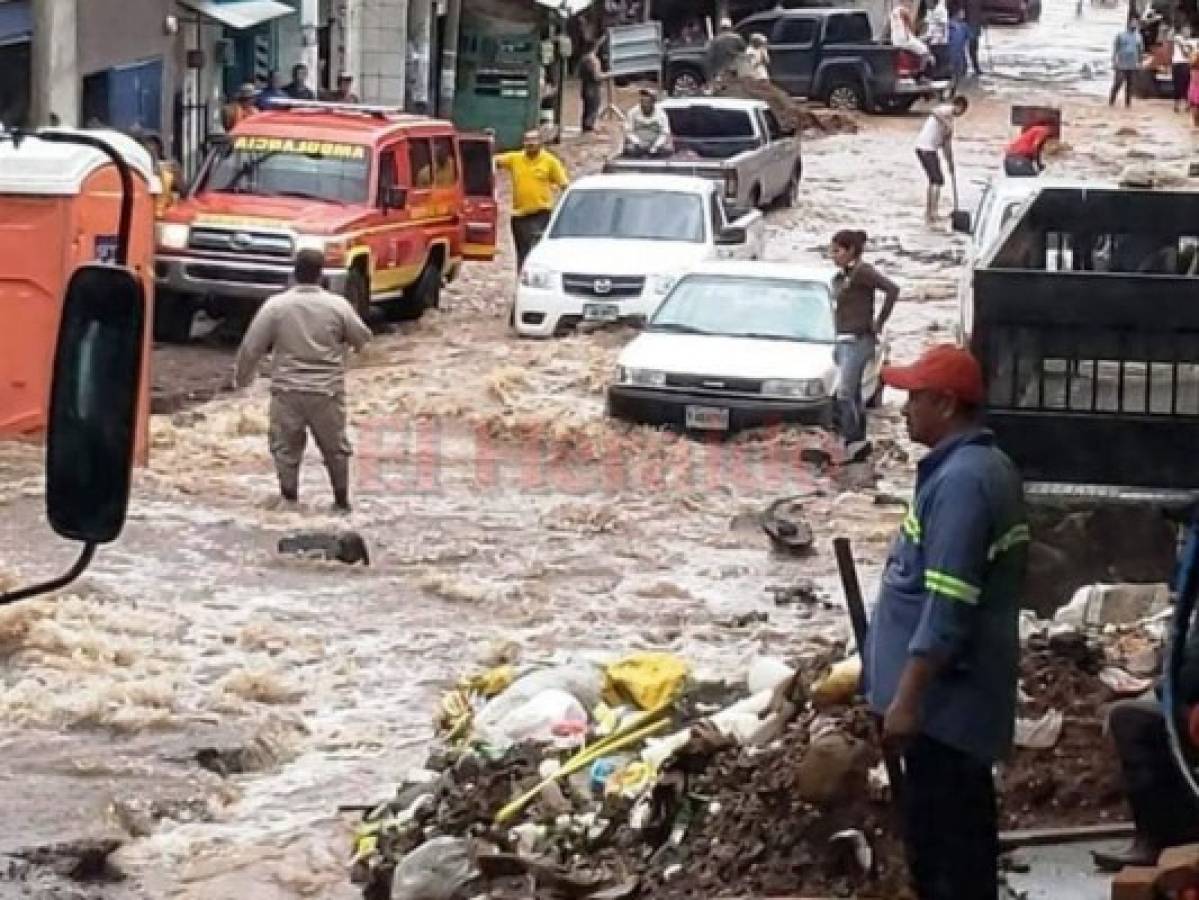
<point x="114" y="33"/>
<point x="380" y="45"/>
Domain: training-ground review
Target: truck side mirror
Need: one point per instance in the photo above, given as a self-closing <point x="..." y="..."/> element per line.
<point x="962" y="222"/>
<point x="395" y="197"/>
<point x="92" y="420"/>
<point x="731" y="235"/>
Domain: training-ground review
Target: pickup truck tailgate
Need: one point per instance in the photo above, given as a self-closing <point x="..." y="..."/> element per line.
<point x="1092" y="366"/>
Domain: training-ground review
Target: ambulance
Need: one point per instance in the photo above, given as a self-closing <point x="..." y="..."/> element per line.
<point x="395" y="202"/>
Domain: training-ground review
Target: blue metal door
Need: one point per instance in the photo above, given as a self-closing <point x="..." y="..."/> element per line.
<point x="135" y="96"/>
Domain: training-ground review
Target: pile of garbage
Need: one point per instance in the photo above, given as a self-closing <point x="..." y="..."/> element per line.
<point x="635" y="779"/>
<point x="1105" y="645"/>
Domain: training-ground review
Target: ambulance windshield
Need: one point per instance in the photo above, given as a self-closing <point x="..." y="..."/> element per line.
<point x="279" y="167"/>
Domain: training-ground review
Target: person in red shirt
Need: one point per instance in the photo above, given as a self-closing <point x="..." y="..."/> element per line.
<point x="1023" y="155"/>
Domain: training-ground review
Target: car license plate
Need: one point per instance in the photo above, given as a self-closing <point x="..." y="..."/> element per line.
<point x="601" y="312"/>
<point x="707" y="418"/>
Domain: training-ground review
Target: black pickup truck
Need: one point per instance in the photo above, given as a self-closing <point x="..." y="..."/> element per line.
<point x="824" y="54"/>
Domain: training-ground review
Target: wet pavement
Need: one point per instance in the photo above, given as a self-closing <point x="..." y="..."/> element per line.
<point x="499" y="507"/>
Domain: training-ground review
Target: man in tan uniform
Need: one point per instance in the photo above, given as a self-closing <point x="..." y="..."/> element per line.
<point x="307" y="330"/>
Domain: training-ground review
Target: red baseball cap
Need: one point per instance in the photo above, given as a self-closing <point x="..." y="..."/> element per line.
<point x="946" y="369"/>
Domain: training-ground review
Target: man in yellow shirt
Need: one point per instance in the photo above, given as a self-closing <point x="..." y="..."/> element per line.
<point x="536" y="176"/>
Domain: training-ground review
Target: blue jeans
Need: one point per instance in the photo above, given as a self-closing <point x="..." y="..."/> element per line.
<point x="852" y="353"/>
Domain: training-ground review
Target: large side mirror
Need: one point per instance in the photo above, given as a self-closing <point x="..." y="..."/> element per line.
<point x="395" y="197"/>
<point x="962" y="222"/>
<point x="92" y="421"/>
<point x="731" y="235"/>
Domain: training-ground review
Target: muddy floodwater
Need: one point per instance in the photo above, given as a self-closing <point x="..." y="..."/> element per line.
<point x="211" y="705"/>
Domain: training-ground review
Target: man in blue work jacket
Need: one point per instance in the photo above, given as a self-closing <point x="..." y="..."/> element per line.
<point x="943" y="647"/>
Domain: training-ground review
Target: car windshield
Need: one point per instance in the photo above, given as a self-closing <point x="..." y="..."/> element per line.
<point x="275" y="167"/>
<point x="745" y="306"/>
<point x="631" y="215"/>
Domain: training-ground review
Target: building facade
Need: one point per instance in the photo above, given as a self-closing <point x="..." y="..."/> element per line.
<point x="169" y="67"/>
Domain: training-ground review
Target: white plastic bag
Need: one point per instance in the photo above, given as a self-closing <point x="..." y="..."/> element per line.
<point x="441" y="869"/>
<point x="766" y="673"/>
<point x="535" y="719"/>
<point x="582" y="680"/>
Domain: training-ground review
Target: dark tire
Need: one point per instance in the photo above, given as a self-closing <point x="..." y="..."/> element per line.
<point x="895" y="106"/>
<point x="755" y="197"/>
<point x="789" y="198"/>
<point x="845" y="94"/>
<point x="173" y="317"/>
<point x="358" y="292"/>
<point x="422" y="294"/>
<point x="685" y="82"/>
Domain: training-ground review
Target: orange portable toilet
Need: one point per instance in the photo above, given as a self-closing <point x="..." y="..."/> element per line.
<point x="60" y="208"/>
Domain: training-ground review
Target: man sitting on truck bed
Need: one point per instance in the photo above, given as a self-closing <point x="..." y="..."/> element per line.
<point x="647" y="129"/>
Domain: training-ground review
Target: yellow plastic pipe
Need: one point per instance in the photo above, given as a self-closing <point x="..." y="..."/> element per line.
<point x="616" y="741"/>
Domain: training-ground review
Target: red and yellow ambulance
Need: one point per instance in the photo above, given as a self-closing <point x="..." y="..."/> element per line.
<point x="395" y="202"/>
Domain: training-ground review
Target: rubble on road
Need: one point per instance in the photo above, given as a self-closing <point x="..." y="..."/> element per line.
<point x="348" y="547"/>
<point x="1076" y="779"/>
<point x="791" y="113"/>
<point x="641" y="780"/>
<point x="682" y="788"/>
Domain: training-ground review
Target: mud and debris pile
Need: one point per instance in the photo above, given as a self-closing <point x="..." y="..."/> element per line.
<point x="663" y="787"/>
<point x="1076" y="781"/>
<point x="631" y="778"/>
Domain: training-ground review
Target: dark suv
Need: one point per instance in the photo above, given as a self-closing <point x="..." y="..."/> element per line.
<point x="824" y="54"/>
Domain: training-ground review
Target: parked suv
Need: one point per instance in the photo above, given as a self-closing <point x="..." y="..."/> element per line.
<point x="395" y="202"/>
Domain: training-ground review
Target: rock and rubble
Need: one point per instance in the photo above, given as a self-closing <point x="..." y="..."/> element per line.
<point x="745" y="808"/>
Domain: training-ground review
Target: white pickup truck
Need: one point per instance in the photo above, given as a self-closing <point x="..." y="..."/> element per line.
<point x="617" y="243"/>
<point x="738" y="143"/>
<point x="1001" y="200"/>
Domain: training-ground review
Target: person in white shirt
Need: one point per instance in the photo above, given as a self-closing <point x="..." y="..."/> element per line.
<point x="936" y="137"/>
<point x="936" y="31"/>
<point x="647" y="129"/>
<point x="758" y="57"/>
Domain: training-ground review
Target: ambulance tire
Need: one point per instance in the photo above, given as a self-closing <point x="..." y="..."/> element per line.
<point x="358" y="292"/>
<point x="173" y="317"/>
<point x="424" y="293"/>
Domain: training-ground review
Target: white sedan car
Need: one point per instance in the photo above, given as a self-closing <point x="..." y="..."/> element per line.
<point x="734" y="346"/>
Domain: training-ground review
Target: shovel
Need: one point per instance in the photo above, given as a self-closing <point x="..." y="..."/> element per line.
<point x="960" y="220"/>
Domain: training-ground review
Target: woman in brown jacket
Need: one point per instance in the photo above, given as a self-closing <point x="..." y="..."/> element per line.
<point x="854" y="289"/>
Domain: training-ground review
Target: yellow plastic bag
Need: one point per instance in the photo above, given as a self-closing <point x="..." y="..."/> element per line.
<point x="649" y="680"/>
<point x="491" y="682"/>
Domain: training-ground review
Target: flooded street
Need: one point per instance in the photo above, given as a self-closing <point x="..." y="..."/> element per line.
<point x="211" y="704"/>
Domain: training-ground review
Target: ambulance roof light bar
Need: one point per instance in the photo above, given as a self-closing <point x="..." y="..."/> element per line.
<point x="366" y="109"/>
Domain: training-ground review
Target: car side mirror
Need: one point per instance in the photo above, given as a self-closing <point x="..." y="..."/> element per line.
<point x="962" y="222"/>
<point x="731" y="235"/>
<point x="395" y="197"/>
<point x="92" y="422"/>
